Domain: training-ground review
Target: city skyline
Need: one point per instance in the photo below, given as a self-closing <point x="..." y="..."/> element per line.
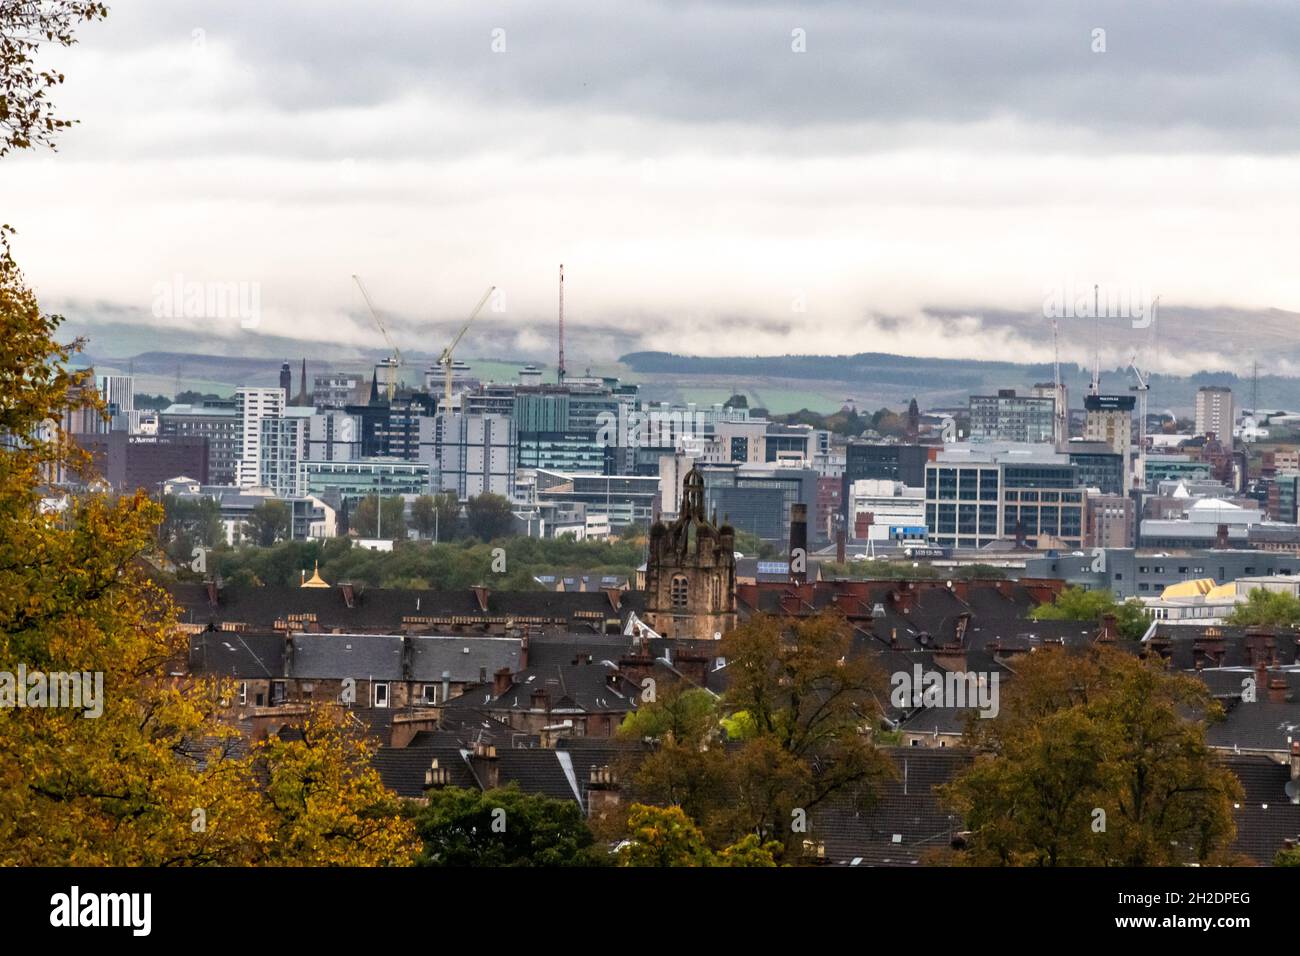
<point x="889" y="179"/>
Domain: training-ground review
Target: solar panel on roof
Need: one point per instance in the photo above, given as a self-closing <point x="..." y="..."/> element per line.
<point x="772" y="567"/>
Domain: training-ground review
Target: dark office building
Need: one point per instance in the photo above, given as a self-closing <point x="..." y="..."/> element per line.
<point x="1099" y="466"/>
<point x="905" y="463"/>
<point x="216" y="420"/>
<point x="128" y="462"/>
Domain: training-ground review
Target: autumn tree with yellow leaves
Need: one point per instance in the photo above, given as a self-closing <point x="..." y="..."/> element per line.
<point x="149" y="775"/>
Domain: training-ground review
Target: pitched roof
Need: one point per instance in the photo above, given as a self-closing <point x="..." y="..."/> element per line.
<point x="1262" y="725"/>
<point x="1265" y="817"/>
<point x="904" y="821"/>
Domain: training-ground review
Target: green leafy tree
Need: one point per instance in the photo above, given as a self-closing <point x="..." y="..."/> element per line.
<point x="663" y="836"/>
<point x="269" y="522"/>
<point x="489" y="517"/>
<point x="1096" y="758"/>
<point x="188" y="523"/>
<point x="364" y="519"/>
<point x="424" y="516"/>
<point x="666" y="836"/>
<point x="803" y="707"/>
<point x="503" y="827"/>
<point x="1266" y="609"/>
<point x="450" y="524"/>
<point x="1081" y="604"/>
<point x="812" y="705"/>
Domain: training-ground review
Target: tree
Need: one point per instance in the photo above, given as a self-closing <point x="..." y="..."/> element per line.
<point x="666" y="836"/>
<point x="804" y="708"/>
<point x="663" y="836"/>
<point x="188" y="523"/>
<point x="447" y="507"/>
<point x="503" y="827"/>
<point x="489" y="516"/>
<point x="424" y="516"/>
<point x="812" y="704"/>
<point x="26" y="114"/>
<point x="325" y="803"/>
<point x="1080" y="604"/>
<point x="142" y="772"/>
<point x="269" y="522"/>
<point x="1266" y="609"/>
<point x="364" y="519"/>
<point x="1096" y="758"/>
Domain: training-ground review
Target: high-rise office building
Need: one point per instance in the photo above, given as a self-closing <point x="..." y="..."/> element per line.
<point x="118" y="393"/>
<point x="1009" y="417"/>
<point x="253" y="405"/>
<point x="1214" y="412"/>
<point x="1109" y="419"/>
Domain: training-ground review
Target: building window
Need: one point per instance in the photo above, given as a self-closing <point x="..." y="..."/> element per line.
<point x="277" y="692"/>
<point x="243" y="693"/>
<point x="680" y="589"/>
<point x="381" y="695"/>
<point x="431" y="693"/>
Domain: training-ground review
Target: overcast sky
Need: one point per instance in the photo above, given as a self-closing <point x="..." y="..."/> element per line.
<point x="920" y="167"/>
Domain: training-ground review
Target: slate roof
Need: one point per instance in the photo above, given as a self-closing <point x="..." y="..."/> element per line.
<point x="316" y="656"/>
<point x="1265" y="817"/>
<point x="383" y="609"/>
<point x="1262" y="725"/>
<point x="572" y="688"/>
<point x="1178" y="644"/>
<point x="402" y="768"/>
<point x="903" y="822"/>
<point x="243" y="656"/>
<point x="335" y="656"/>
<point x="465" y="657"/>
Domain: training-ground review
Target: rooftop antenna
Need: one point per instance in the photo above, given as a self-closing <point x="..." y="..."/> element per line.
<point x="559" y="371"/>
<point x="1096" y="348"/>
<point x="1058" y="393"/>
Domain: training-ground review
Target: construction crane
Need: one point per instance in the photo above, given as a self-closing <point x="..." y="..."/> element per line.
<point x="393" y="362"/>
<point x="1142" y="387"/>
<point x="445" y="358"/>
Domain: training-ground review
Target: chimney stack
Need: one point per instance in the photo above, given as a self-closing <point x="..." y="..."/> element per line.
<point x="798" y="543"/>
<point x="1109" y="630"/>
<point x="1277" y="691"/>
<point x="484" y="761"/>
<point x="502" y="681"/>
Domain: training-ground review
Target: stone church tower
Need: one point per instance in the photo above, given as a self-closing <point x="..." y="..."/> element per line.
<point x="691" y="571"/>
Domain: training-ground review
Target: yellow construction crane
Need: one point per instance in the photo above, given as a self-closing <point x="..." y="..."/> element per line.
<point x="445" y="359"/>
<point x="392" y="363"/>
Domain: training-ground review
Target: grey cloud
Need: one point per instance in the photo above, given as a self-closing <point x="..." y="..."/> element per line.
<point x="1210" y="70"/>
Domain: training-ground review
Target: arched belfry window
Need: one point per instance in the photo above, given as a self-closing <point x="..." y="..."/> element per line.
<point x="680" y="590"/>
